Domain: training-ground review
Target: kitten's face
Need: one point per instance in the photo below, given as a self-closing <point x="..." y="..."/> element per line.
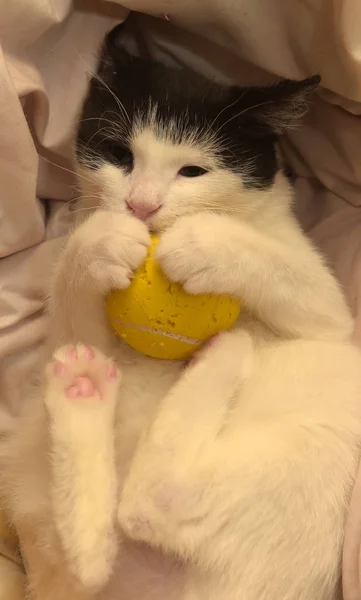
<point x="158" y="180"/>
<point x="160" y="143"/>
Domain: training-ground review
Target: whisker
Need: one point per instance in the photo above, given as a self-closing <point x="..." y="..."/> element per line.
<point x="98" y="131"/>
<point x="217" y="208"/>
<point x="224" y="109"/>
<point x="110" y="133"/>
<point x="99" y="196"/>
<point x="98" y="78"/>
<point x="75" y="201"/>
<point x="112" y="112"/>
<point x="99" y="119"/>
<point x="242" y="112"/>
<point x="84" y="208"/>
<point x="64" y="168"/>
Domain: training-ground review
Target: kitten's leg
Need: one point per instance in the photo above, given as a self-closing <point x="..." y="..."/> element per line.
<point x="278" y="274"/>
<point x="164" y="486"/>
<point x="80" y="396"/>
<point x="100" y="255"/>
<point x="46" y="575"/>
<point x="243" y="501"/>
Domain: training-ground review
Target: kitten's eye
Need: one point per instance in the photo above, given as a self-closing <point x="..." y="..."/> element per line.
<point x="123" y="157"/>
<point x="192" y="171"/>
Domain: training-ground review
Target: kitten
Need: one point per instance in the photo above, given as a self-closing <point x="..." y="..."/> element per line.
<point x="134" y="478"/>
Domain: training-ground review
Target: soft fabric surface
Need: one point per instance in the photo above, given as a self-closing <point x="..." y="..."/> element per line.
<point x="46" y="49"/>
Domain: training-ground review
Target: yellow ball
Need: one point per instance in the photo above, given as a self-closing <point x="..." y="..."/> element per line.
<point x="159" y="319"/>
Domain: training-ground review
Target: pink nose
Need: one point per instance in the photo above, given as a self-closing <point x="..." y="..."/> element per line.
<point x="142" y="212"/>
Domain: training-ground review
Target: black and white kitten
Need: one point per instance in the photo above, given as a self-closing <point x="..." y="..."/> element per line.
<point x="131" y="478"/>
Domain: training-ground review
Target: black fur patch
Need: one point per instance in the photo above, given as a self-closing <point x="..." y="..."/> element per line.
<point x="242" y="124"/>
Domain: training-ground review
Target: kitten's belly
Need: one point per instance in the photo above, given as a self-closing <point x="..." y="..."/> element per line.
<point x="145" y="574"/>
<point x="142" y="573"/>
<point x="145" y="382"/>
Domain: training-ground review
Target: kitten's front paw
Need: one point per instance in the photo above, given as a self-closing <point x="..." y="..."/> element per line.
<point x="198" y="253"/>
<point x="107" y="249"/>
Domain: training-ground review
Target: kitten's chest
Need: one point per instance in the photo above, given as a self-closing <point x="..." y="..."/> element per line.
<point x="144" y="383"/>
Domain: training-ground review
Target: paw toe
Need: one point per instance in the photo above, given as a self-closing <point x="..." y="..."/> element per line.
<point x="83" y="387"/>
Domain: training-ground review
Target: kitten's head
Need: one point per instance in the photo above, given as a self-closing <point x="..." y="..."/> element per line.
<point x="160" y="143"/>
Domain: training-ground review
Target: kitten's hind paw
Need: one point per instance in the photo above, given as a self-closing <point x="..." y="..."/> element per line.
<point x="81" y="378"/>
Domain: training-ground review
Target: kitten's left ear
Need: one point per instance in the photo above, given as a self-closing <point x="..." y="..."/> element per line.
<point x="278" y="106"/>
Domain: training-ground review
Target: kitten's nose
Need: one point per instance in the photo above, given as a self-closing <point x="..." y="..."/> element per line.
<point x="142" y="211"/>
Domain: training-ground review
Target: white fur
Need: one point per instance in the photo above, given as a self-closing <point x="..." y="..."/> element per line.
<point x="83" y="444"/>
<point x="239" y="466"/>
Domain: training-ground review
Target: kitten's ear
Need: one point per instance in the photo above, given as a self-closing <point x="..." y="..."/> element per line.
<point x="114" y="46"/>
<point x="278" y="106"/>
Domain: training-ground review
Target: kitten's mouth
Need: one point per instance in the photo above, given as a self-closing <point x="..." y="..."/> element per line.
<point x="151" y="220"/>
<point x="153" y="228"/>
<point x="154" y="225"/>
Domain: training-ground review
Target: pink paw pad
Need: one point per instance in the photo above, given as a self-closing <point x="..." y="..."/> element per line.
<point x="83" y="372"/>
<point x="83" y="387"/>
